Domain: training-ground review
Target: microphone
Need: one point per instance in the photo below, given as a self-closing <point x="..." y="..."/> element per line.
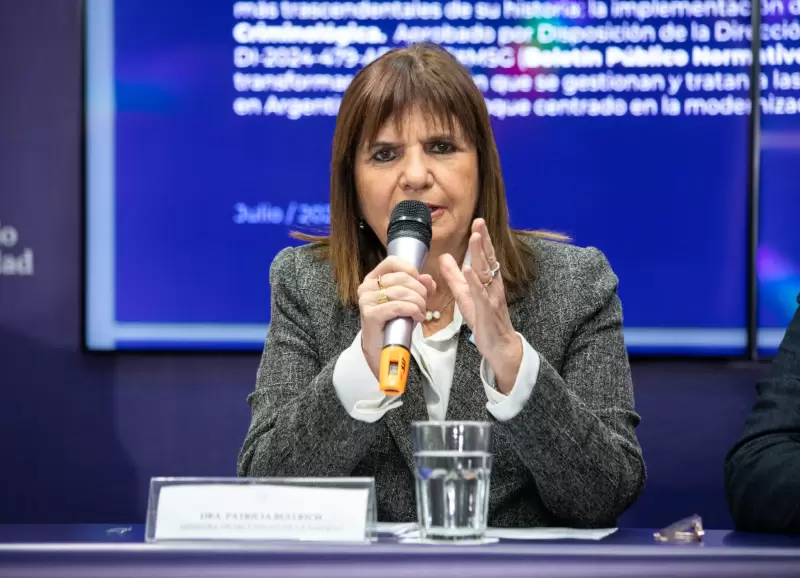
<point x="409" y="238"/>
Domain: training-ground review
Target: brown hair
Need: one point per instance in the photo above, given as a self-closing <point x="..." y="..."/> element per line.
<point x="428" y="78"/>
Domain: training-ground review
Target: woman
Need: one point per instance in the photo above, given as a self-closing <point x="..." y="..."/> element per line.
<point x="526" y="332"/>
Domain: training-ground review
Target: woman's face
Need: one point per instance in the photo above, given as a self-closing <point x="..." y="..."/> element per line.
<point x="420" y="162"/>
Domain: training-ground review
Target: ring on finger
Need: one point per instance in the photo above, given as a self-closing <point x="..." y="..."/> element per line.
<point x="493" y="273"/>
<point x="383" y="297"/>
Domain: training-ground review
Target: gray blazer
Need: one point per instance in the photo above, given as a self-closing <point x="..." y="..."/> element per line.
<point x="569" y="458"/>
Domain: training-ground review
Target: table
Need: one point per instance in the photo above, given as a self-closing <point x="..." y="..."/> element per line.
<point x="89" y="550"/>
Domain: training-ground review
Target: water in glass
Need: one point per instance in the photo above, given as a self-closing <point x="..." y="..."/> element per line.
<point x="452" y="493"/>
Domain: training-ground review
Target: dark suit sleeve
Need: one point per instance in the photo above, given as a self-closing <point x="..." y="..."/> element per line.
<point x="576" y="433"/>
<point x="299" y="427"/>
<point x="762" y="470"/>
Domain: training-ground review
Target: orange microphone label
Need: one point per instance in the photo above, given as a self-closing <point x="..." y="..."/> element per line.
<point x="393" y="373"/>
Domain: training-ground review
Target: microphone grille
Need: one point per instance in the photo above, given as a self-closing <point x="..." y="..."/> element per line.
<point x="411" y="219"/>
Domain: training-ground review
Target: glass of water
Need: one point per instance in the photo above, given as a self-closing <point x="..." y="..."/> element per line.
<point x="453" y="464"/>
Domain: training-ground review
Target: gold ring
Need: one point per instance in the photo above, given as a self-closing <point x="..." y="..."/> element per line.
<point x="379" y="282"/>
<point x="383" y="297"/>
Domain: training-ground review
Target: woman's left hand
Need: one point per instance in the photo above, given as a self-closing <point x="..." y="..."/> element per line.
<point x="481" y="298"/>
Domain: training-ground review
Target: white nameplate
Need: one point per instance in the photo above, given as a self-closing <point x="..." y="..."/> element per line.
<point x="261" y="512"/>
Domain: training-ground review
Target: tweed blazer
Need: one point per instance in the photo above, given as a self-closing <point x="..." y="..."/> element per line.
<point x="570" y="457"/>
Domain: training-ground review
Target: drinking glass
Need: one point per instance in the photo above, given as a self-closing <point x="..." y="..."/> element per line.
<point x="453" y="464"/>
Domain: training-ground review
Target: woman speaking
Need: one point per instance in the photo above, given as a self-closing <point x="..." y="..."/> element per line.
<point x="511" y="326"/>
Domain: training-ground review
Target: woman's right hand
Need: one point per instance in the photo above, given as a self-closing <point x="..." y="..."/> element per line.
<point x="407" y="292"/>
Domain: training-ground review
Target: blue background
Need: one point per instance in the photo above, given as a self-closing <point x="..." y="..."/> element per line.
<point x="664" y="198"/>
<point x="779" y="234"/>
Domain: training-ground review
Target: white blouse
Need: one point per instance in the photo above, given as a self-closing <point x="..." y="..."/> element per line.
<point x="359" y="391"/>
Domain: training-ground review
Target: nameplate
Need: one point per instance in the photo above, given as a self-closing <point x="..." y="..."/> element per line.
<point x="261" y="512"/>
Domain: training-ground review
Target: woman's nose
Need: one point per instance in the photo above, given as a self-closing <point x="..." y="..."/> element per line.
<point x="415" y="170"/>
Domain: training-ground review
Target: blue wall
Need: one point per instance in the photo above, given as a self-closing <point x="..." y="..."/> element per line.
<point x="81" y="435"/>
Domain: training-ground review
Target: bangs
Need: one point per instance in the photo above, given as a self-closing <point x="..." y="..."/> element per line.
<point x="407" y="85"/>
<point x="427" y="80"/>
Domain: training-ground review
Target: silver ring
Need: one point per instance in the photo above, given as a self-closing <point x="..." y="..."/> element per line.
<point x="495" y="270"/>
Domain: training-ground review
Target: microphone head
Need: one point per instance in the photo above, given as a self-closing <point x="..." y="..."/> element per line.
<point x="410" y="219"/>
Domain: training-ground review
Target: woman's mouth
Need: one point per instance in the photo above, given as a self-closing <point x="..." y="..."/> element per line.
<point x="436" y="211"/>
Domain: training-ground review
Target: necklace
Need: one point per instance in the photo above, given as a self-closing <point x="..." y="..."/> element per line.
<point x="429" y="315"/>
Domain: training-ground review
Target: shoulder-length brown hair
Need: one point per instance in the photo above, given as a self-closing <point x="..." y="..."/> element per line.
<point x="428" y="78"/>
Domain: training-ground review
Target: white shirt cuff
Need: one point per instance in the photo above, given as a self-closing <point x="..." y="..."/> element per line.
<point x="505" y="407"/>
<point x="358" y="388"/>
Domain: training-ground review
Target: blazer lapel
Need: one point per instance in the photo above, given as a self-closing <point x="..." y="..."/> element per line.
<point x="413" y="409"/>
<point x="467" y="399"/>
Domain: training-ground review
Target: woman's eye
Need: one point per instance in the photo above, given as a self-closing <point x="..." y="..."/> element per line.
<point x="442" y="148"/>
<point x="384" y="155"/>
